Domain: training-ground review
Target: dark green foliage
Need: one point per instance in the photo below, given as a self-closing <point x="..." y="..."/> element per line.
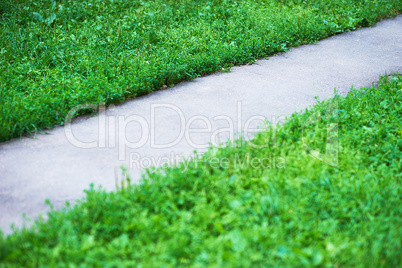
<point x="303" y="213"/>
<point x="55" y="55"/>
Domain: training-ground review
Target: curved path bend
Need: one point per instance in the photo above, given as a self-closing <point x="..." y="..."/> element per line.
<point x="59" y="166"/>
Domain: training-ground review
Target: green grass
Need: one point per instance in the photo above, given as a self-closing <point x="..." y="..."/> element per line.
<point x="55" y="55"/>
<point x="299" y="212"/>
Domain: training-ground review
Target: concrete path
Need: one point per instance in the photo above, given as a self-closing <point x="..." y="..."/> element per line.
<point x="169" y="124"/>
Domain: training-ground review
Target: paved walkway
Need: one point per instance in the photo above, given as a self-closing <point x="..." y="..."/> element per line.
<point x="61" y="165"/>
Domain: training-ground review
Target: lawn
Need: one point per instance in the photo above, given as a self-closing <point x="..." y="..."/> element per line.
<point x="341" y="207"/>
<point x="55" y="55"/>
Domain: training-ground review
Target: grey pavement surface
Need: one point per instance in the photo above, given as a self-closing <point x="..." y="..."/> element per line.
<point x="170" y="124"/>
